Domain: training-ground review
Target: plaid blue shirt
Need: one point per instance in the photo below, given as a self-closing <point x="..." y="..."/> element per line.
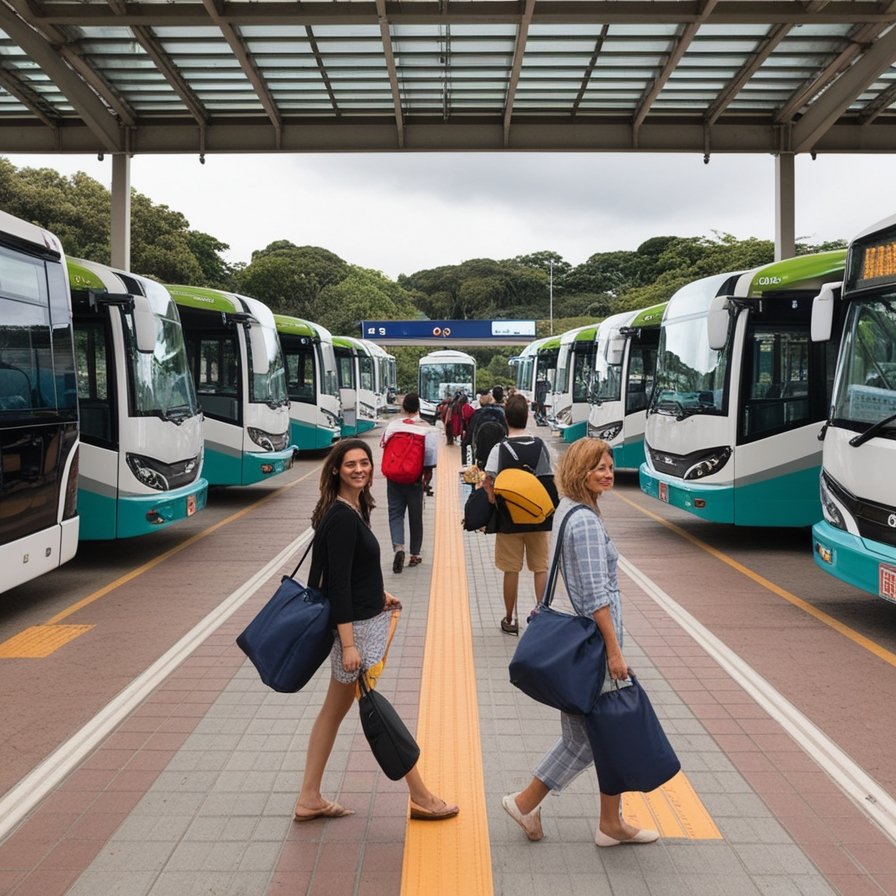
<point x="588" y="563"/>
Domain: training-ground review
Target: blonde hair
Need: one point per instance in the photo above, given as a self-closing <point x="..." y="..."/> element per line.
<point x="579" y="460"/>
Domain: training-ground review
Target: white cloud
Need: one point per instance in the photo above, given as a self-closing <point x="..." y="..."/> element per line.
<point x="401" y="213"/>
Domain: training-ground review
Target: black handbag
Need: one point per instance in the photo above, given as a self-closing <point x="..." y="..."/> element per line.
<point x="478" y="510"/>
<point x="392" y="745"/>
<point x="631" y="750"/>
<point x="291" y="636"/>
<point x="561" y="659"/>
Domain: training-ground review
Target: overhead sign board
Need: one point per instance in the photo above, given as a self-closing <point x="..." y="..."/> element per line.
<point x="438" y="332"/>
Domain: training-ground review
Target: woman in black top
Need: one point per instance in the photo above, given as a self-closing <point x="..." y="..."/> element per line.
<point x="347" y="555"/>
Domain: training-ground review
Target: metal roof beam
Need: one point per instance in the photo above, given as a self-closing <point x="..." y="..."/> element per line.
<point x="598" y="46"/>
<point x="324" y="75"/>
<point x="825" y="111"/>
<point x="386" y="35"/>
<point x="247" y="64"/>
<point x="519" y="50"/>
<point x="27" y="97"/>
<point x="86" y="103"/>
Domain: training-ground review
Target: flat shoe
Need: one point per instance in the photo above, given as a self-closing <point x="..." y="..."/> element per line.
<point x="645" y="835"/>
<point x="421" y="814"/>
<point x="398" y="561"/>
<point x="328" y="810"/>
<point x="415" y="561"/>
<point x="530" y="823"/>
<point x="509" y="627"/>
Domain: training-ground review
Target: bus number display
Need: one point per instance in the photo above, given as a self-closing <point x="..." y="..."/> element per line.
<point x="875" y="263"/>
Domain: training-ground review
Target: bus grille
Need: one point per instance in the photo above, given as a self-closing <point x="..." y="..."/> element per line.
<point x="875" y="521"/>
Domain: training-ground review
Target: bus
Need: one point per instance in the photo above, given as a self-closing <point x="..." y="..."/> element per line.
<point x="624" y="368"/>
<point x="569" y="398"/>
<point x="357" y="383"/>
<point x="141" y="427"/>
<point x="237" y="367"/>
<point x="38" y="406"/>
<point x="740" y="394"/>
<point x="856" y="538"/>
<point x="311" y="383"/>
<point x="442" y="373"/>
<point x="524" y="370"/>
<point x="383" y="374"/>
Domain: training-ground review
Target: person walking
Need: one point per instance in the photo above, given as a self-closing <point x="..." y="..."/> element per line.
<point x="346" y="559"/>
<point x="588" y="565"/>
<point x="514" y="542"/>
<point x="488" y="426"/>
<point x="404" y="493"/>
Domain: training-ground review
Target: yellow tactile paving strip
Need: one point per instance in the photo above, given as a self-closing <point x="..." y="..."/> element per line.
<point x="40" y="641"/>
<point x="674" y="810"/>
<point x="449" y="857"/>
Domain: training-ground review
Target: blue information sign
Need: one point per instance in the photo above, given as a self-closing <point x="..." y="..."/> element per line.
<point x="438" y="332"/>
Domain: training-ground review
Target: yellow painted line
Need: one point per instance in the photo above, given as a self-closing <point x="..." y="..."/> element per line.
<point x="161" y="558"/>
<point x="866" y="643"/>
<point x="446" y="858"/>
<point x="674" y="810"/>
<point x="39" y="641"/>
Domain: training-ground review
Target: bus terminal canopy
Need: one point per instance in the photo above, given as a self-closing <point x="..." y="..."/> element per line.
<point x="448" y="333"/>
<point x="203" y="76"/>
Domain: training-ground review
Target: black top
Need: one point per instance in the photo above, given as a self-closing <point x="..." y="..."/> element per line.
<point x="348" y="556"/>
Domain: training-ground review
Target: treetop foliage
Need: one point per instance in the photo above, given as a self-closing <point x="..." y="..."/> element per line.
<point x="313" y="283"/>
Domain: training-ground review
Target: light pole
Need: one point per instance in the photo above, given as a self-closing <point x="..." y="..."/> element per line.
<point x="551" y="296"/>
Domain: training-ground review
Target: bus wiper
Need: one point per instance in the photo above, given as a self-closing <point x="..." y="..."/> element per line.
<point x="686" y="412"/>
<point x="872" y="431"/>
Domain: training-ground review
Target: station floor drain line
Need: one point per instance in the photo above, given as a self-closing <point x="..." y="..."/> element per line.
<point x="22" y="798"/>
<point x="858" y="786"/>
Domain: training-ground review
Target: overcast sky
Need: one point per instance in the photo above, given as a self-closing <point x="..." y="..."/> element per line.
<point x="400" y="213"/>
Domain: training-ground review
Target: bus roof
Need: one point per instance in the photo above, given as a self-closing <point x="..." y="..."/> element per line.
<point x="296" y="326"/>
<point x="41" y="240"/>
<point x="802" y="272"/>
<point x="578" y="334"/>
<point x="447" y="354"/>
<point x="205" y="298"/>
<point x="649" y="317"/>
<point x="550" y="344"/>
<point x="86" y="274"/>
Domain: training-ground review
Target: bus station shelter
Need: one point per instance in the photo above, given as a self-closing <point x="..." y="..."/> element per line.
<point x="777" y="77"/>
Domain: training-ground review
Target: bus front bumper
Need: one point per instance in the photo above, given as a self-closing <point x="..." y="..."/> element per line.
<point x="848" y="558"/>
<point x="140" y="514"/>
<point x="714" y="503"/>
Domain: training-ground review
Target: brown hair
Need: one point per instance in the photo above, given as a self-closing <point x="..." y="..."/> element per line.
<point x="516" y="409"/>
<point x="580" y="458"/>
<point x="329" y="480"/>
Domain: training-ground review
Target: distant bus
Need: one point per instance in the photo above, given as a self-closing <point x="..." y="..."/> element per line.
<point x="572" y="378"/>
<point x="141" y="428"/>
<point x="240" y="380"/>
<point x="357" y="384"/>
<point x="38" y="406"/>
<point x="311" y="383"/>
<point x="442" y="373"/>
<point x="856" y="540"/>
<point x="524" y="365"/>
<point x="741" y="393"/>
<point x="383" y="374"/>
<point x="624" y="370"/>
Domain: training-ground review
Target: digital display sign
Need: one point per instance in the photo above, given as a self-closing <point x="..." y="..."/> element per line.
<point x="439" y="332"/>
<point x="873" y="263"/>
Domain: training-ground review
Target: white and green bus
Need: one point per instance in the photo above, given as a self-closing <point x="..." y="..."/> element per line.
<point x="741" y="392"/>
<point x="237" y="367"/>
<point x="524" y="365"/>
<point x="442" y="373"/>
<point x="856" y="540"/>
<point x="38" y="406"/>
<point x="572" y="379"/>
<point x="356" y="373"/>
<point x="311" y="383"/>
<point x="383" y="374"/>
<point x="141" y="427"/>
<point x="624" y="369"/>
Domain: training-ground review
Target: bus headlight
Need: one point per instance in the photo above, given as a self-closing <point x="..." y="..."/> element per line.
<point x="829" y="508"/>
<point x="268" y="441"/>
<point x="146" y="472"/>
<point x="608" y="432"/>
<point x="709" y="464"/>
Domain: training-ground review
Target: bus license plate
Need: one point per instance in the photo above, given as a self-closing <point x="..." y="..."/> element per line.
<point x="664" y="492"/>
<point x="887" y="582"/>
<point x="191" y="505"/>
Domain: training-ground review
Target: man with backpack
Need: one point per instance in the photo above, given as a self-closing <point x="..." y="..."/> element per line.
<point x="516" y="541"/>
<point x="410" y="449"/>
<point x="488" y="426"/>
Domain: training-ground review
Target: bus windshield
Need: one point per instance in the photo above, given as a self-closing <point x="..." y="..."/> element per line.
<point x="690" y="376"/>
<point x="268" y="388"/>
<point x="866" y="386"/>
<point x="607" y="380"/>
<point x="436" y="379"/>
<point x="160" y="382"/>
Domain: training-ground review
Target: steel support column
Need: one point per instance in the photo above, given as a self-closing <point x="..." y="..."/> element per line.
<point x="785" y="206"/>
<point x="120" y="237"/>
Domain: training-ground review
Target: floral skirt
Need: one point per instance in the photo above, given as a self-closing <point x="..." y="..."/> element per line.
<point x="371" y="637"/>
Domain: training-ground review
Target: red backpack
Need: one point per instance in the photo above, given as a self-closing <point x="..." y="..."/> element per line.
<point x="403" y="457"/>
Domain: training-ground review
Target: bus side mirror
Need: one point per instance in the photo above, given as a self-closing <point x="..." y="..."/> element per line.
<point x="717" y="321"/>
<point x="615" y="349"/>
<point x="144" y="324"/>
<point x="823" y="312"/>
<point x="259" y="350"/>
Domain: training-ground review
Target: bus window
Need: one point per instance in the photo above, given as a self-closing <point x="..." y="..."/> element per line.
<point x="365" y="366"/>
<point x="300" y="373"/>
<point x="217" y="380"/>
<point x="94" y="382"/>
